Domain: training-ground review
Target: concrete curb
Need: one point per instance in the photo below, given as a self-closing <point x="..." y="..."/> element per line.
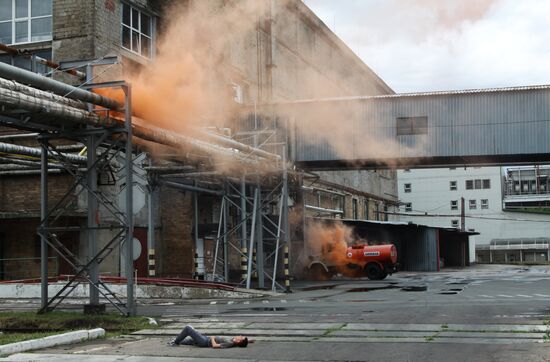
<point x="51" y="341"/>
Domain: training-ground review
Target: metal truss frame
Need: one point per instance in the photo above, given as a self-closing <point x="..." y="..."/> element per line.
<point x="102" y="146"/>
<point x="253" y="213"/>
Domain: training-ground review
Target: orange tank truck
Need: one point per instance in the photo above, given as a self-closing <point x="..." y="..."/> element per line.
<point x="374" y="261"/>
<point x="377" y="261"/>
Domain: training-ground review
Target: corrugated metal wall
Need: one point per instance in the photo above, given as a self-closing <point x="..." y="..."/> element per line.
<point x="477" y="124"/>
<point x="421" y="252"/>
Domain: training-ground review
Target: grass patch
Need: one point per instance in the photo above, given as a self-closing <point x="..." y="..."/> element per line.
<point x="8" y="338"/>
<point x="20" y="326"/>
<point x="334" y="329"/>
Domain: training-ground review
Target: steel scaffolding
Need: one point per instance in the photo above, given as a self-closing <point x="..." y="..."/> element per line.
<point x="56" y="111"/>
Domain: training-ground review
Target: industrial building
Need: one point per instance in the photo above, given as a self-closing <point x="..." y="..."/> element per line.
<point x="504" y="205"/>
<point x="194" y="139"/>
<point x="180" y="201"/>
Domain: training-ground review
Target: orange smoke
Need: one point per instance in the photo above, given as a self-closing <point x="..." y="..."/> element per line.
<point x="329" y="242"/>
<point x="186" y="84"/>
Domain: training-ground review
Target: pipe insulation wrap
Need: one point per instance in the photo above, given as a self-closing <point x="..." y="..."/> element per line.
<point x="33" y="100"/>
<point x="19" y="100"/>
<point x="59" y="88"/>
<point x="35" y="152"/>
<point x="33" y="92"/>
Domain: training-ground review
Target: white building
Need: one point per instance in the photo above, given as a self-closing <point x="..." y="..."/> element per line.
<point x="433" y="197"/>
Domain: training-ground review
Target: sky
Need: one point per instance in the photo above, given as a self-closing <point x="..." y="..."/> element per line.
<point x="429" y="45"/>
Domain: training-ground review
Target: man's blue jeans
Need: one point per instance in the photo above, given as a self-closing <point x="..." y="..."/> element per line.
<point x="189" y="336"/>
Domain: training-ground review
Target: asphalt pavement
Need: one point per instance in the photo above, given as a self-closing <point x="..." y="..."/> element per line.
<point x="482" y="313"/>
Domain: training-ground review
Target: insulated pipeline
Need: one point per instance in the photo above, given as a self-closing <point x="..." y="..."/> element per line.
<point x="59" y="88"/>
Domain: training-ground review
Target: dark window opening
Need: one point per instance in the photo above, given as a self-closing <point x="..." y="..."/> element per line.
<point x="412" y="126"/>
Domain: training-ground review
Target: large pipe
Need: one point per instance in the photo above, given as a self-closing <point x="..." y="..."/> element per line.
<point x="192" y="188"/>
<point x="34" y="92"/>
<point x="323" y="210"/>
<point x="20" y="100"/>
<point x="17" y="161"/>
<point x="36" y="152"/>
<point x="228" y="142"/>
<point x="16" y="136"/>
<point x="37" y="103"/>
<point x="46" y="62"/>
<point x="59" y="88"/>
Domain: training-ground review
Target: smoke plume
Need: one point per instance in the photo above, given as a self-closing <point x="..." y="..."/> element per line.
<point x="329" y="242"/>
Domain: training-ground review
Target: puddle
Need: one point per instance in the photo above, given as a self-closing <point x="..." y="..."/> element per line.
<point x="268" y="309"/>
<point x="367" y="289"/>
<point x="455" y="290"/>
<point x="457" y="283"/>
<point x="319" y="287"/>
<point x="415" y="288"/>
<point x="448" y="293"/>
<point x="258" y="309"/>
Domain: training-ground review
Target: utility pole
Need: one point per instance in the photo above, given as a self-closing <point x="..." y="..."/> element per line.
<point x="462" y="215"/>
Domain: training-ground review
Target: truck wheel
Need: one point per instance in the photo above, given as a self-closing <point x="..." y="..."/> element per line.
<point x="317" y="272"/>
<point x="374" y="272"/>
<point x="384" y="275"/>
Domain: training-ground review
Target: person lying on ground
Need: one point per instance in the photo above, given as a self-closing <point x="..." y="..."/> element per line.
<point x="190" y="337"/>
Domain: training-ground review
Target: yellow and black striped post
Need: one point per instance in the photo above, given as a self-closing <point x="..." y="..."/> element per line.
<point x="287" y="270"/>
<point x="244" y="264"/>
<point x="151" y="263"/>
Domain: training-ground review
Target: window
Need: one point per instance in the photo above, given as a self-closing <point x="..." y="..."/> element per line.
<point x="477" y="184"/>
<point x="137" y="31"/>
<point x="484" y="203"/>
<point x="452" y="185"/>
<point x="385" y="212"/>
<point x="366" y="209"/>
<point x="24" y="62"/>
<point x="487" y="184"/>
<point x="473" y="204"/>
<point x="407" y="187"/>
<point x="469" y="184"/>
<point x="454" y="223"/>
<point x="454" y="205"/>
<point x="412" y="125"/>
<point x="25" y="21"/>
<point x="408" y="207"/>
<point x="354" y="208"/>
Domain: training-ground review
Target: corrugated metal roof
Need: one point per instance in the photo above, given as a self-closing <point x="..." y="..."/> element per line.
<point x="425" y="94"/>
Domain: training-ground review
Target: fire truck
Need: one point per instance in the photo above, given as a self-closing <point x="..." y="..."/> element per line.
<point x="374" y="261"/>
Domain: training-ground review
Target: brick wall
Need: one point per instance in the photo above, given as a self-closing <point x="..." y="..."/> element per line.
<point x="22" y="193"/>
<point x="175" y="247"/>
<point x="20" y="250"/>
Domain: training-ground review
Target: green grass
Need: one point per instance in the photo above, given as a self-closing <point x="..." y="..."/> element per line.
<point x="8" y="338"/>
<point x="20" y="326"/>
